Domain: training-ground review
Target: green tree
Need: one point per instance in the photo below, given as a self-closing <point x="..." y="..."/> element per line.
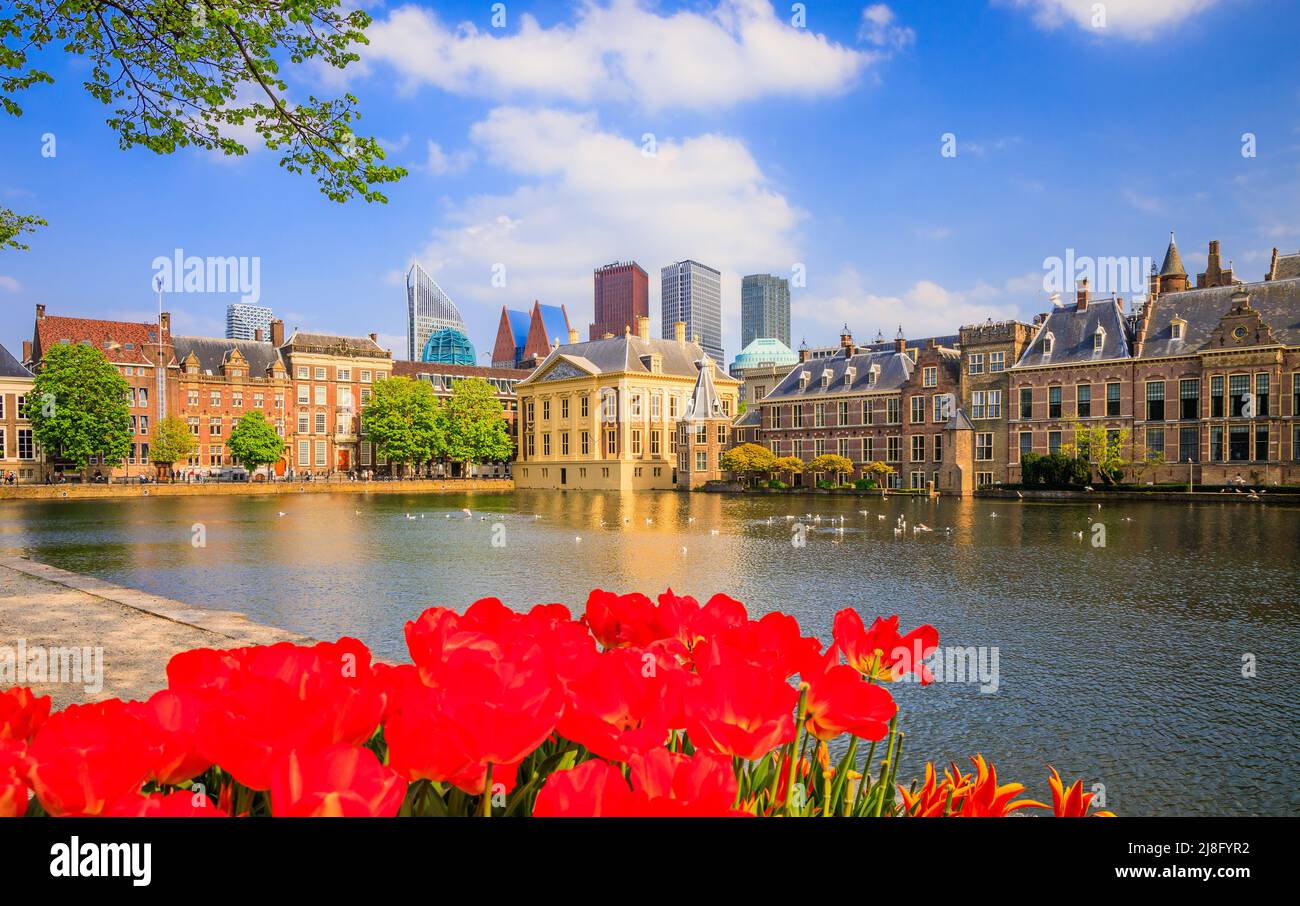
<point x="1102" y="448"/>
<point x="180" y="74"/>
<point x="474" y="427"/>
<point x="172" y="442"/>
<point x="13" y="225"/>
<point x="401" y="420"/>
<point x="748" y="461"/>
<point x="78" y="406"/>
<point x="253" y="442"/>
<point x="833" y="463"/>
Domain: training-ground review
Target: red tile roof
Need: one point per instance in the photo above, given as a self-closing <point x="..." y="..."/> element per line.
<point x="111" y="337"/>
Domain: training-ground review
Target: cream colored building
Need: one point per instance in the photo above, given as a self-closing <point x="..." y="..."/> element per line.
<point x="19" y="453"/>
<point x="603" y="415"/>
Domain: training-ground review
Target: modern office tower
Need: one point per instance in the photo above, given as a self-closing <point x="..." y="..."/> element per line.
<point x="243" y="321"/>
<point x="764" y="308"/>
<point x="692" y="292"/>
<point x="428" y="309"/>
<point x="622" y="297"/>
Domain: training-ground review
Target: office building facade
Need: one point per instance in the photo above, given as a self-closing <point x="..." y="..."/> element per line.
<point x="428" y="309"/>
<point x="691" y="293"/>
<point x="622" y="297"/>
<point x="243" y="321"/>
<point x="764" y="308"/>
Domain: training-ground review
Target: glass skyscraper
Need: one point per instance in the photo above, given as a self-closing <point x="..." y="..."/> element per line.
<point x="428" y="309"/>
<point x="692" y="292"/>
<point x="764" y="308"/>
<point x="244" y="320"/>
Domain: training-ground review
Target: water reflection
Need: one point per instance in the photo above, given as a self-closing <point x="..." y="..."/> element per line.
<point x="1120" y="664"/>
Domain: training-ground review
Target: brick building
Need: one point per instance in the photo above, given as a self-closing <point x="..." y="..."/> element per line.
<point x="622" y="298"/>
<point x="867" y="405"/>
<point x="525" y="338"/>
<point x="18" y="453"/>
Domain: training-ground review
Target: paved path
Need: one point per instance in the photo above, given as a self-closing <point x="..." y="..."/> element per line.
<point x="42" y="607"/>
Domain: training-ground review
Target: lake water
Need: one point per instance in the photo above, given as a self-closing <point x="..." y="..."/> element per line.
<point x="1120" y="664"/>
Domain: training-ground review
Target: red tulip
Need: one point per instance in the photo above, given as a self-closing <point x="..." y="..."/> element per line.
<point x="87" y="756"/>
<point x="173" y="720"/>
<point x="880" y="653"/>
<point x="177" y="804"/>
<point x="593" y="789"/>
<point x="342" y="781"/>
<point x="738" y="709"/>
<point x="1071" y="802"/>
<point x="673" y="784"/>
<point x="22" y="713"/>
<point x="14" y="766"/>
<point x="620" y="620"/>
<point x="626" y="703"/>
<point x="840" y="701"/>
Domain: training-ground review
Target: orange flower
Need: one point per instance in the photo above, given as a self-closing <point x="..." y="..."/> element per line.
<point x="961" y="795"/>
<point x="1072" y="802"/>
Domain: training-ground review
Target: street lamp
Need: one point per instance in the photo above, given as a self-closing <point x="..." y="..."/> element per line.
<point x="1189" y="473"/>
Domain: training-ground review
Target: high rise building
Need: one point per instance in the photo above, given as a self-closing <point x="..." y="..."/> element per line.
<point x="622" y="296"/>
<point x="243" y="321"/>
<point x="764" y="308"/>
<point x="428" y="308"/>
<point x="692" y="293"/>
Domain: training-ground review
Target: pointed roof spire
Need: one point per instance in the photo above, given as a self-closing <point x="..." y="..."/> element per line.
<point x="1173" y="266"/>
<point x="704" y="403"/>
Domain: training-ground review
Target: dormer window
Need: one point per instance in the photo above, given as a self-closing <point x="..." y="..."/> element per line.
<point x="1048" y="342"/>
<point x="873" y="373"/>
<point x="849" y="374"/>
<point x="1177" y="328"/>
<point x="804" y="378"/>
<point x="826" y="377"/>
<point x="1098" y="339"/>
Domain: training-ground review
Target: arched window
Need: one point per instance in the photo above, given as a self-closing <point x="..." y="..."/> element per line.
<point x="1048" y="342"/>
<point x="1099" y="339"/>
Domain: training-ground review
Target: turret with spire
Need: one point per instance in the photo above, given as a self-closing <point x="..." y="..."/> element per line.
<point x="1173" y="276"/>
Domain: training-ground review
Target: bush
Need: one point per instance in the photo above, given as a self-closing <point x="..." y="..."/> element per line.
<point x="777" y="484"/>
<point x="825" y="485"/>
<point x="1053" y="470"/>
<point x="865" y="484"/>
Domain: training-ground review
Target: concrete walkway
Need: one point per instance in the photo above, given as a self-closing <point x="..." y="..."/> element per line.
<point x="43" y="608"/>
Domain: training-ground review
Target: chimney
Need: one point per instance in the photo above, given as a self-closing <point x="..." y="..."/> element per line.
<point x="846" y="340"/>
<point x="259" y="336"/>
<point x="277" y="333"/>
<point x="1081" y="296"/>
<point x="695" y="338"/>
<point x="165" y="320"/>
<point x="27" y="351"/>
<point x="679" y="331"/>
<point x="573" y="335"/>
<point x="1272" y="266"/>
<point x="40" y="312"/>
<point x="803" y="353"/>
<point x="900" y="344"/>
<point x="643" y="326"/>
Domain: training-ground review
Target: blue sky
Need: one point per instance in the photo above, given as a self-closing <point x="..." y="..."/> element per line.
<point x="773" y="145"/>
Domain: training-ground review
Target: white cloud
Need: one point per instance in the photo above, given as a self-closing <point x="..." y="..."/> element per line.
<point x="10" y="284"/>
<point x="879" y="28"/>
<point x="440" y="163"/>
<point x="1147" y="204"/>
<point x="1134" y="19"/>
<point x="620" y="50"/>
<point x="923" y="309"/>
<point x="589" y="197"/>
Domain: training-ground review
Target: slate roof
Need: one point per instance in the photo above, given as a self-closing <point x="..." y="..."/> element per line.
<point x="1277" y="301"/>
<point x="11" y="367"/>
<point x="1173" y="266"/>
<point x="751" y="418"/>
<point x="1073" y="332"/>
<point x="959" y="421"/>
<point x="1288" y="266"/>
<point x="122" y="342"/>
<point x="895" y="371"/>
<point x="704" y="402"/>
<point x="212" y="353"/>
<point x="335" y="345"/>
<point x="624" y="353"/>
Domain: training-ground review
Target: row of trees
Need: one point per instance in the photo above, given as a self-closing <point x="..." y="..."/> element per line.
<point x="1095" y="450"/>
<point x="78" y="407"/>
<point x="410" y="426"/>
<point x="749" y="462"/>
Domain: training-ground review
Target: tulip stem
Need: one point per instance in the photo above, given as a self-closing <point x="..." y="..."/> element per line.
<point x="865" y="782"/>
<point x="485" y="807"/>
<point x="797" y="747"/>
